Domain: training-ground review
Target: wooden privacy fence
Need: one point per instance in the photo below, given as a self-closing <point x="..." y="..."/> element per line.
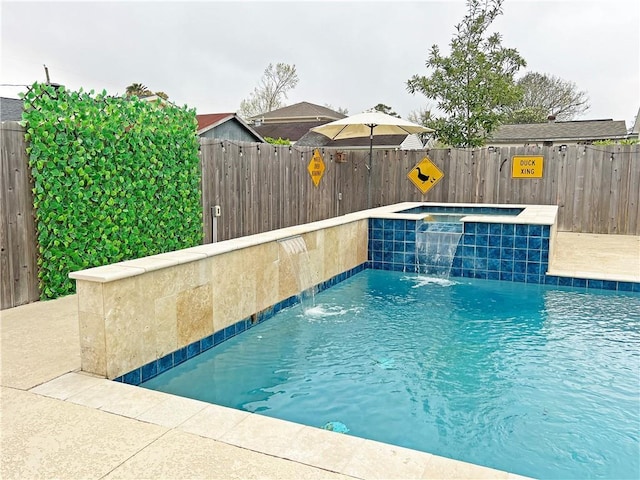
<point x="264" y="187"/>
<point x="261" y="187"/>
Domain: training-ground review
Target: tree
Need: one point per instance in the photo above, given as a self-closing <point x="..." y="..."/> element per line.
<point x="138" y="90"/>
<point x="546" y="95"/>
<point x="422" y="116"/>
<point x="382" y="108"/>
<point x="270" y="93"/>
<point x="474" y="84"/>
<point x="343" y="111"/>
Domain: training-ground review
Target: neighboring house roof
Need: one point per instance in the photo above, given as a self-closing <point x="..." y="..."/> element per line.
<point x="290" y="130"/>
<point x="573" y="131"/>
<point x="209" y="121"/>
<point x="10" y="109"/>
<point x="298" y="112"/>
<point x="402" y="142"/>
<point x="635" y="130"/>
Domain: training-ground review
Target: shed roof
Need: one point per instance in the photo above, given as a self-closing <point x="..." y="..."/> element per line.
<point x="208" y="121"/>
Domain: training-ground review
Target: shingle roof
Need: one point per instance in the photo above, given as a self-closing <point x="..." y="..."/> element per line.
<point x="302" y="110"/>
<point x="208" y="121"/>
<point x="289" y="131"/>
<point x="10" y="109"/>
<point x="314" y="139"/>
<point x="574" y="130"/>
<point x="211" y="119"/>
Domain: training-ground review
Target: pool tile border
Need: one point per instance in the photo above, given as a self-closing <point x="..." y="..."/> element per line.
<point x="175" y="358"/>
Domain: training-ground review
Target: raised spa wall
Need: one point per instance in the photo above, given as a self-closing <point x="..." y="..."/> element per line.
<point x="141" y="317"/>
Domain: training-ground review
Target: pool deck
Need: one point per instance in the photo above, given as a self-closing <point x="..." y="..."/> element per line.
<point x="57" y="422"/>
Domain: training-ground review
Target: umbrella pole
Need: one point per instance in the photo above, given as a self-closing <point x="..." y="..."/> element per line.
<point x="369" y="166"/>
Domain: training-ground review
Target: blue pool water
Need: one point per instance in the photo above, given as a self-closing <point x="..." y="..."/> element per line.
<point x="537" y="380"/>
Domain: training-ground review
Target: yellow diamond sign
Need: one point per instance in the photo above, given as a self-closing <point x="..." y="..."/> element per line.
<point x="425" y="175"/>
<point x="316" y="167"/>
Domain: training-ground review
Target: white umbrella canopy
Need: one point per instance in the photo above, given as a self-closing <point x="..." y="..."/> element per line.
<point x="368" y="124"/>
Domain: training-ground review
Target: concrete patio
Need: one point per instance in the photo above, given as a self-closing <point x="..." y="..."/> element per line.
<point x="60" y="423"/>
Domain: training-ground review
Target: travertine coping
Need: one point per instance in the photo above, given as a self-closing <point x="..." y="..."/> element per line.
<point x="531" y="214"/>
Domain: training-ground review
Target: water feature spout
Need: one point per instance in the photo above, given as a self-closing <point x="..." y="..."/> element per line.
<point x="436" y="245"/>
<point x="295" y="251"/>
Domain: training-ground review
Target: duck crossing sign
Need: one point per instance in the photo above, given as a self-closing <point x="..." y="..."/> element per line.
<point x="316" y="167"/>
<point x="425" y="175"/>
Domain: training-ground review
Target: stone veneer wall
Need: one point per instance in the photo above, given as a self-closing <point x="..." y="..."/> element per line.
<point x="139" y="311"/>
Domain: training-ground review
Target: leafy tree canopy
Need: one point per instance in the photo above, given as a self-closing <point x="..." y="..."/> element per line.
<point x="270" y="93"/>
<point x="545" y="95"/>
<point x="474" y="84"/>
<point x="382" y="108"/>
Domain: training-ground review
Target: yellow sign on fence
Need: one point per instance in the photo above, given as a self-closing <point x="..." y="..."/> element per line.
<point x="316" y="167"/>
<point x="527" y="167"/>
<point x="425" y="175"/>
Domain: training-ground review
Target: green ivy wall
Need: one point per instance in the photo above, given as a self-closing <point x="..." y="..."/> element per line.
<point x="115" y="178"/>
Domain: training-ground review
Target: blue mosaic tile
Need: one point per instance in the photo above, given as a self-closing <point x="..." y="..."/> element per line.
<point x="520" y="277"/>
<point x="206" y="343"/>
<point x="535" y="230"/>
<point x="507" y="241"/>
<point x="491" y="275"/>
<point x="519" y="267"/>
<point x="522" y="230"/>
<point x="133" y="377"/>
<point x="495" y="229"/>
<point x="595" y="283"/>
<point x="482" y="240"/>
<point x="533" y="268"/>
<point x="609" y="285"/>
<point x="387" y="224"/>
<point x="398" y="235"/>
<point x="481" y="252"/>
<point x="482" y="228"/>
<point x="193" y="349"/>
<point x="493" y="264"/>
<point x="506" y="276"/>
<point x="551" y="280"/>
<point x="506" y="265"/>
<point x="625" y="286"/>
<point x="636" y="287"/>
<point x="480" y="264"/>
<point x="410" y="235"/>
<point x="376" y="223"/>
<point x="508" y="229"/>
<point x="494" y="240"/>
<point x="535" y="243"/>
<point x="149" y="371"/>
<point x="179" y="356"/>
<point x="494" y="252"/>
<point x="534" y="255"/>
<point x="165" y="363"/>
<point x="579" y="283"/>
<point x="218" y="337"/>
<point x="520" y="254"/>
<point x="468" y="239"/>
<point x="507" y="253"/>
<point x="241" y="326"/>
<point x="387" y="235"/>
<point x="521" y="241"/>
<point x="546" y="231"/>
<point x="532" y="278"/>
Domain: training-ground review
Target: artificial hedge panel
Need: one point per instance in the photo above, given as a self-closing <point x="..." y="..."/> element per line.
<point x="115" y="178"/>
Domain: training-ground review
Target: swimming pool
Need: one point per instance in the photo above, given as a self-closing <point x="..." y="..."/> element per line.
<point x="527" y="378"/>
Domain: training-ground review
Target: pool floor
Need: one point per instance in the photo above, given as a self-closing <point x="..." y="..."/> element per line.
<point x="531" y="379"/>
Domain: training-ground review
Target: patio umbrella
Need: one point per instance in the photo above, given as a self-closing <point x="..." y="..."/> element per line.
<point x="368" y="124"/>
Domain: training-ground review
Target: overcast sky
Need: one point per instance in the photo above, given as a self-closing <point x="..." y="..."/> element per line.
<point x="211" y="54"/>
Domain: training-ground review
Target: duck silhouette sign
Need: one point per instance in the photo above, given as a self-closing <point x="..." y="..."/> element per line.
<point x="425" y="175"/>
